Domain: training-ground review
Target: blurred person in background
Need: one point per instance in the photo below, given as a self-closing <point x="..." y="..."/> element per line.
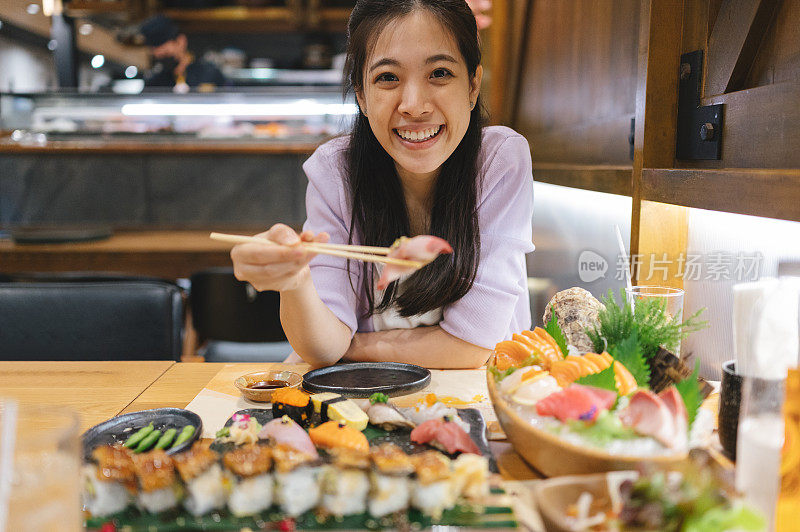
<point x="173" y="64"/>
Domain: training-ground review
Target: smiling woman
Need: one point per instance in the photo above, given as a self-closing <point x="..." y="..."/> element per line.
<point x="418" y="161"/>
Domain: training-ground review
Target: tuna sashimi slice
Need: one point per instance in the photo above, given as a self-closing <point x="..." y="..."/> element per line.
<point x="285" y="431"/>
<point x="448" y="435"/>
<point x="422" y="248"/>
<point x="648" y="415"/>
<point x="576" y="402"/>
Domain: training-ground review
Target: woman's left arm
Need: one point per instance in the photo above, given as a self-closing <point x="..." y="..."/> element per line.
<point x="431" y="347"/>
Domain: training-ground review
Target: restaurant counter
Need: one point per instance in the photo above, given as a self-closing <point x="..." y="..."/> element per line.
<point x="162" y="159"/>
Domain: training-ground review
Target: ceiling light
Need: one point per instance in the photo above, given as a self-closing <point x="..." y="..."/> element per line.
<point x="98" y="61"/>
<point x="85" y="29"/>
<point x="32" y="9"/>
<point x="131" y="72"/>
<point x="52" y="44"/>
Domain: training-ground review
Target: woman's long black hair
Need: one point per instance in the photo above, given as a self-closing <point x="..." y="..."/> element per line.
<point x="380" y="215"/>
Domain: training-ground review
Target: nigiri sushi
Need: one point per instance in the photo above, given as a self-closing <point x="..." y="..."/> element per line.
<point x="296" y="480"/>
<point x="109" y="484"/>
<point x="202" y="476"/>
<point x="293" y="403"/>
<point x="248" y="471"/>
<point x="337" y="435"/>
<point x="328" y="406"/>
<point x="390" y="483"/>
<point x="421" y="413"/>
<point x="431" y="490"/>
<point x="446" y="435"/>
<point x="286" y="431"/>
<point x="159" y="489"/>
<point x="344" y="483"/>
<point x="422" y="248"/>
<point x="385" y="415"/>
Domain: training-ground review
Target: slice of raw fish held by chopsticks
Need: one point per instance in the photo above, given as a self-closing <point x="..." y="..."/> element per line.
<point x="423" y="248"/>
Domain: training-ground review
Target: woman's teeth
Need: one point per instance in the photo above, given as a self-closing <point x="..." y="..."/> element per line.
<point x="419" y="136"/>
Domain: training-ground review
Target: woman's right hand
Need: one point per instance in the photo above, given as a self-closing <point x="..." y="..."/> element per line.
<point x="270" y="267"/>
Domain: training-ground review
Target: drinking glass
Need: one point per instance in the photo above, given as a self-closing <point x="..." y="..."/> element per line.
<point x="39" y="468"/>
<point x="672" y="298"/>
<point x="759" y="443"/>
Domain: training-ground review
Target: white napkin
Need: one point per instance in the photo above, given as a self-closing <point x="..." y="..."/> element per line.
<point x="765" y="327"/>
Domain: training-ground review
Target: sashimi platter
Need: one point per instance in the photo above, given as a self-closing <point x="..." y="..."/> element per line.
<point x="595" y="389"/>
<point x="311" y="461"/>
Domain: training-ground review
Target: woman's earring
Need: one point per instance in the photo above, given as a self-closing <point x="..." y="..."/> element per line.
<point x="471" y="105"/>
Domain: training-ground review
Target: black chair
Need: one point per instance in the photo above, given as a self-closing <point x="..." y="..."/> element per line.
<point x="125" y="319"/>
<point x="234" y="322"/>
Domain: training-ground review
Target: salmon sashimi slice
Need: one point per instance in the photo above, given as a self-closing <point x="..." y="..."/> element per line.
<point x="521" y="338"/>
<point x="565" y="371"/>
<point x="599" y="360"/>
<point x="576" y="402"/>
<point x="626" y="383"/>
<point x="587" y="366"/>
<point x="546" y="352"/>
<point x="510" y="353"/>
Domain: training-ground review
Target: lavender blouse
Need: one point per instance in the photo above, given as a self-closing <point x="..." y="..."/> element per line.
<point x="497" y="305"/>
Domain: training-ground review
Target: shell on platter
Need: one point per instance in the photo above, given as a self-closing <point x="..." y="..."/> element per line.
<point x="576" y="311"/>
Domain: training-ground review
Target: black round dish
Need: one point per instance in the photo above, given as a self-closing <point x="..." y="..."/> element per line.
<point x="362" y="379"/>
<point x="730" y="398"/>
<point x="118" y="429"/>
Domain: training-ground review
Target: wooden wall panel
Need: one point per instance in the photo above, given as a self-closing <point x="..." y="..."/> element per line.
<point x="578" y="81"/>
<point x="778" y="58"/>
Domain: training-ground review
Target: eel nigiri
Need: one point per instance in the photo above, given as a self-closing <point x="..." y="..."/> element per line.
<point x="422" y="248"/>
<point x="110" y="483"/>
<point x="251" y="484"/>
<point x="446" y="435"/>
<point x="286" y="431"/>
<point x="202" y="475"/>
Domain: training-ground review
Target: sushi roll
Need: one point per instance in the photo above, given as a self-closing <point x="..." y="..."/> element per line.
<point x="431" y="489"/>
<point x="470" y="477"/>
<point x="293" y="403"/>
<point x="202" y="475"/>
<point x="296" y="480"/>
<point x="338" y="435"/>
<point x="251" y="483"/>
<point x="159" y="489"/>
<point x="345" y="483"/>
<point x="110" y="483"/>
<point x="285" y="431"/>
<point x="389" y="479"/>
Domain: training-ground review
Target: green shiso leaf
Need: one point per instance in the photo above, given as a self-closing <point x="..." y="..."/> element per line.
<point x="648" y="317"/>
<point x="689" y="389"/>
<point x="605" y="380"/>
<point x="555" y="331"/>
<point x="629" y="354"/>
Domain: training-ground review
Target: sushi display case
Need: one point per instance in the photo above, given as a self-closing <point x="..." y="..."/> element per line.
<point x="255" y="116"/>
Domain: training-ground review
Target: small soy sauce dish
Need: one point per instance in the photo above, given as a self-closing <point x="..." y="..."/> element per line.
<point x="118" y="430"/>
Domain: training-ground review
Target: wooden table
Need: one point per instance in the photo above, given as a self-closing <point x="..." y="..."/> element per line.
<point x="183" y="381"/>
<point x="96" y="390"/>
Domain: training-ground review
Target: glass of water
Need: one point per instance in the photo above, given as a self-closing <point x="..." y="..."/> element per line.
<point x="672" y="299"/>
<point x="759" y="443"/>
<point x="39" y="468"/>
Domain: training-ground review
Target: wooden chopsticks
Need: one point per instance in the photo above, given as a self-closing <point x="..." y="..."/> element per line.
<point x="362" y="253"/>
